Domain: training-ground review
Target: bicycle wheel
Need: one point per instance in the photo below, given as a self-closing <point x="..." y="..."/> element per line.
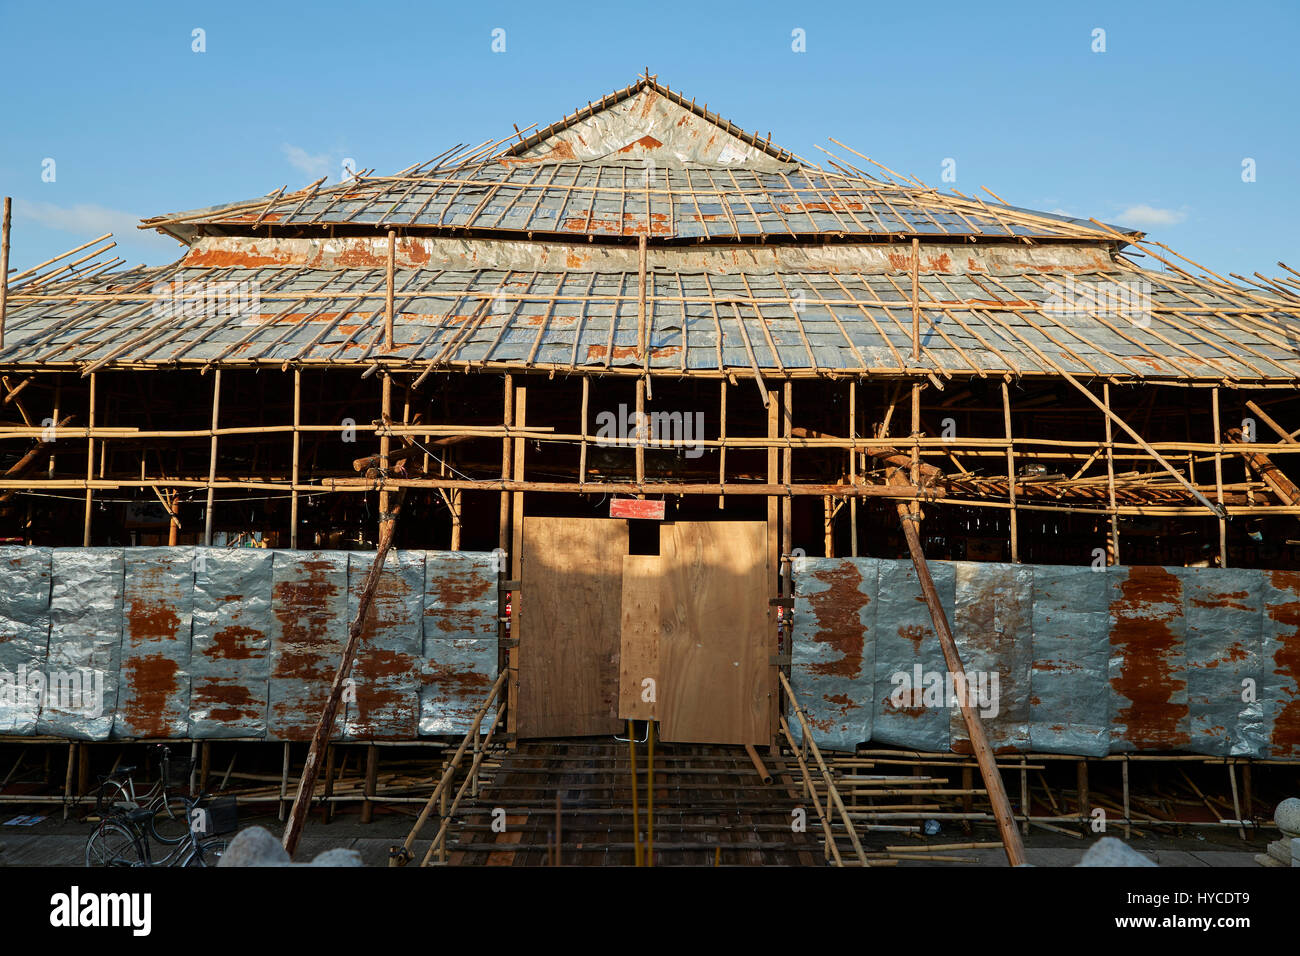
<point x="170" y="823"/>
<point x="207" y="853"/>
<point x="112" y="796"/>
<point x="112" y="844"/>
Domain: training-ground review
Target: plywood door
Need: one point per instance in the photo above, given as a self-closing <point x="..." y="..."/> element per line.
<point x="638" y="689"/>
<point x="568" y="626"/>
<point x="715" y="633"/>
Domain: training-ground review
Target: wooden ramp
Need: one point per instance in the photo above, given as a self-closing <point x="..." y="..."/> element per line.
<point x="710" y="807"/>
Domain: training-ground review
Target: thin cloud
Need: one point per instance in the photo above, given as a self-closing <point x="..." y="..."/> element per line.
<point x="86" y="219"/>
<point x="314" y="165"/>
<point x="1144" y="215"/>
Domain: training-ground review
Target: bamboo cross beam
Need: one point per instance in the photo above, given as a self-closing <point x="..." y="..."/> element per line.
<point x="1216" y="510"/>
<point x="325" y="725"/>
<point x="909" y="518"/>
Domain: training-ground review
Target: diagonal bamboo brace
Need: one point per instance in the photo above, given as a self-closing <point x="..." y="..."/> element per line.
<point x="909" y="516"/>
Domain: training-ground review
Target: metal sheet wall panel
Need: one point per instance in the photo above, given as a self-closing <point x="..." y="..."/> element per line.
<point x="85" y="643"/>
<point x="309" y="603"/>
<point x="833" y="653"/>
<point x="24" y="635"/>
<point x="993" y="628"/>
<point x="1148" y="668"/>
<point x="1223" y="608"/>
<point x="1279" y="686"/>
<point x="460" y="638"/>
<point x="385" y="700"/>
<point x="907" y="648"/>
<point x="230" y="663"/>
<point x="154" y="684"/>
<point x="1069" y="683"/>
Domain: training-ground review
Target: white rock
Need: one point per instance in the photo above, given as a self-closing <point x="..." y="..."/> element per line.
<point x="1112" y="851"/>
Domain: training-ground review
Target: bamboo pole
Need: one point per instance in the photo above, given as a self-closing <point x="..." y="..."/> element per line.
<point x="388" y="295"/>
<point x="853" y="468"/>
<point x="1218" y="481"/>
<point x="325" y="725"/>
<point x="90" y="467"/>
<point x="1113" y="550"/>
<point x="212" y="460"/>
<point x="910" y="516"/>
<point x="4" y="266"/>
<point x="297" y="451"/>
<point x="1011" y="473"/>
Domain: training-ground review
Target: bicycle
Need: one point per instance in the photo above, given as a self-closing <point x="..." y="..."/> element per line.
<point x="167" y="820"/>
<point x="123" y="838"/>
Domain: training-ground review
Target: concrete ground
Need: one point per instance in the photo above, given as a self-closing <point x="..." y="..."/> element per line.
<point x="54" y="842"/>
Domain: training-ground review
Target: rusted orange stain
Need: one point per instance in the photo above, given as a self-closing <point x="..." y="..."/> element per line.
<point x="837" y="612"/>
<point x="1143" y="637"/>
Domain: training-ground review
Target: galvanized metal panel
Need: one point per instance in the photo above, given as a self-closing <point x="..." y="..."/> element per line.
<point x="460" y="638"/>
<point x="385" y="700"/>
<point x="309" y="606"/>
<point x="154" y="690"/>
<point x="1223" y="608"/>
<point x="993" y="628"/>
<point x="833" y="652"/>
<point x="24" y="636"/>
<point x="1148" y="668"/>
<point x="230" y="663"/>
<point x="85" y="643"/>
<point x="907" y="711"/>
<point x="1069" y="684"/>
<point x="1279" y="684"/>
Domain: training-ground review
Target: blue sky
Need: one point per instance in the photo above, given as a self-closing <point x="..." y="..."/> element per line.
<point x="1151" y="133"/>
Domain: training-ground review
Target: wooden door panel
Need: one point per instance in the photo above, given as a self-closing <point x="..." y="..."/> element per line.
<point x="568" y="625"/>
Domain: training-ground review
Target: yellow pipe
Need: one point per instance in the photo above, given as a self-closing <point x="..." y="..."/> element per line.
<point x="650" y="798"/>
<point x="636" y="820"/>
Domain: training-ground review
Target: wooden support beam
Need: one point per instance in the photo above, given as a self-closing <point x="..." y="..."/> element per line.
<point x="1011" y="475"/>
<point x="853" y="468"/>
<point x="212" y="459"/>
<point x="909" y="516"/>
<point x="1106" y="410"/>
<point x="388" y="293"/>
<point x="516" y="560"/>
<point x="297" y="451"/>
<point x="90" y="466"/>
<point x="1112" y="552"/>
<point x="4" y="266"/>
<point x="325" y="725"/>
<point x="1272" y="475"/>
<point x="1218" y="482"/>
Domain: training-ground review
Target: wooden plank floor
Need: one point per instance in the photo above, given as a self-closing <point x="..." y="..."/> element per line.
<point x="710" y="805"/>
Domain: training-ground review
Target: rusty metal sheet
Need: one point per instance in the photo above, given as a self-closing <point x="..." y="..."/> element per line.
<point x="1069" y="683"/>
<point x="154" y="683"/>
<point x="460" y="638"/>
<point x="993" y="628"/>
<point x="1148" y="668"/>
<point x="833" y="651"/>
<point x="908" y="711"/>
<point x="309" y="606"/>
<point x="230" y="663"/>
<point x="384" y="703"/>
<point x="24" y="635"/>
<point x="85" y="643"/>
<point x="1223" y="608"/>
<point x="1279" y="685"/>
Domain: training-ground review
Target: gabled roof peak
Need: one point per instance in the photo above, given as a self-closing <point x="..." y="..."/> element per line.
<point x="648" y="121"/>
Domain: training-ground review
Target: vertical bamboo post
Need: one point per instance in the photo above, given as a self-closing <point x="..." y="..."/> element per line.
<point x="327" y="811"/>
<point x="722" y="436"/>
<point x="90" y="464"/>
<point x="828" y="525"/>
<point x="212" y="469"/>
<point x="582" y="453"/>
<point x="1011" y="472"/>
<point x="642" y="431"/>
<point x="297" y="452"/>
<point x="284" y="781"/>
<point x="853" y="467"/>
<point x="504" y="547"/>
<point x="517" y="554"/>
<point x="1218" y="480"/>
<point x="174" y="524"/>
<point x="641" y="338"/>
<point x="372" y="777"/>
<point x="1085" y="799"/>
<point x="1128" y="817"/>
<point x="1113" y="550"/>
<point x="787" y="548"/>
<point x="388" y="296"/>
<point x="385" y="445"/>
<point x="4" y="269"/>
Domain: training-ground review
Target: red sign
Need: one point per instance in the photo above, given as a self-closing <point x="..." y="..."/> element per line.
<point x="636" y="508"/>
